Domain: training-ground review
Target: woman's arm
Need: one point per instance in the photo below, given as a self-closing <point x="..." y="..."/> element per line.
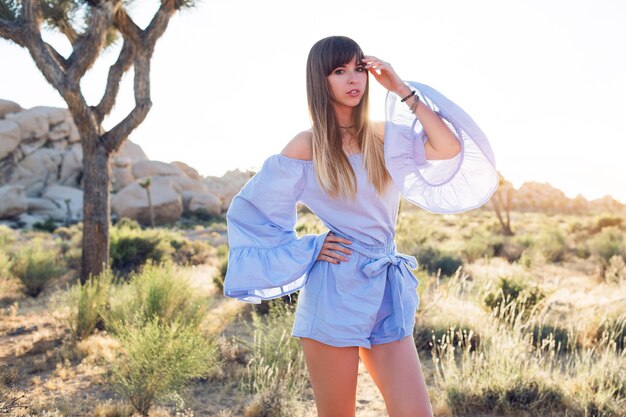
<point x="441" y="144"/>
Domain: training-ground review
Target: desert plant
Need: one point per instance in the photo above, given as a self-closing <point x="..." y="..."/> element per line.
<point x="88" y="302"/>
<point x="159" y="359"/>
<point x="512" y="296"/>
<point x="160" y="290"/>
<point x="277" y="361"/>
<point x="35" y="265"/>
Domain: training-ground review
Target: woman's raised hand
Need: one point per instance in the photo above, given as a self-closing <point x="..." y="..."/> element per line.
<point x="328" y="252"/>
<point x="385" y="75"/>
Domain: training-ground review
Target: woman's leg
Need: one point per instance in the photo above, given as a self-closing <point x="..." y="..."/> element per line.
<point x="396" y="370"/>
<point x="333" y="371"/>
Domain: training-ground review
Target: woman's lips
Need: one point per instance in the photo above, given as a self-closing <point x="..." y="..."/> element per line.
<point x="354" y="93"/>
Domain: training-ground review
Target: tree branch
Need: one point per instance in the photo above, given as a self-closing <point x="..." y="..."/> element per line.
<point x="127" y="27"/>
<point x="11" y="31"/>
<point x="114" y="138"/>
<point x="159" y="23"/>
<point x="88" y="47"/>
<point x="66" y="28"/>
<point x="116" y="71"/>
<point x="45" y="60"/>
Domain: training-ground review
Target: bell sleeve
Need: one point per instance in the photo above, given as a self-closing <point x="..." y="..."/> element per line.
<point x="461" y="183"/>
<point x="266" y="258"/>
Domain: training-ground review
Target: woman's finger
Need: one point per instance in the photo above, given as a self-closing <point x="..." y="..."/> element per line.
<point x="339" y="248"/>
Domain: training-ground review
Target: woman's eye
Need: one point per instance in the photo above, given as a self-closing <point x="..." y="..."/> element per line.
<point x="360" y="69"/>
<point x="339" y="71"/>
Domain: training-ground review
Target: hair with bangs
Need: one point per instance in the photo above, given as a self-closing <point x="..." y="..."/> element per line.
<point x="332" y="167"/>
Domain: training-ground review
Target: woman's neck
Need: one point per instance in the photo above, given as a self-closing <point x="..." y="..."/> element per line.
<point x="343" y="115"/>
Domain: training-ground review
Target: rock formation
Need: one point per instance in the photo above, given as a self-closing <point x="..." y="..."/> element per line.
<point x="41" y="175"/>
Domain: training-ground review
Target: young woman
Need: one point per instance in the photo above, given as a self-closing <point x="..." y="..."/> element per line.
<point x="357" y="295"/>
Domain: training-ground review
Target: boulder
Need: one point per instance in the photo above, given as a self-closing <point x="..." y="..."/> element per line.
<point x="44" y="208"/>
<point x="33" y="124"/>
<point x="204" y="201"/>
<point x="60" y="193"/>
<point x="227" y="186"/>
<point x="7" y="106"/>
<point x="13" y="201"/>
<point x="132" y="202"/>
<point x="10" y="137"/>
<point x="142" y="169"/>
<point x="120" y="178"/>
<point x="189" y="171"/>
<point x="43" y="165"/>
<point x="182" y="183"/>
<point x="129" y="151"/>
<point x="71" y="165"/>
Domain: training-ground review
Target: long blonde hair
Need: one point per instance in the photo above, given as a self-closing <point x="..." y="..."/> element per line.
<point x="333" y="170"/>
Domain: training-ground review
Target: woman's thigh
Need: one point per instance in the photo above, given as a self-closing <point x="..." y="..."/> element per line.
<point x="333" y="371"/>
<point x="396" y="370"/>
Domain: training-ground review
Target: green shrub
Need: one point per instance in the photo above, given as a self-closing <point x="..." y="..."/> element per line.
<point x="159" y="359"/>
<point x="277" y="361"/>
<point x="552" y="336"/>
<point x="49" y="225"/>
<point x="220" y="275"/>
<point x="607" y="243"/>
<point x="35" y="264"/>
<point x="5" y="265"/>
<point x="88" y="303"/>
<point x="157" y="290"/>
<point x="131" y="247"/>
<point x="427" y="337"/>
<point x="478" y="246"/>
<point x="512" y="294"/>
<point x="7" y="237"/>
<point x="551" y="244"/>
<point x="434" y="260"/>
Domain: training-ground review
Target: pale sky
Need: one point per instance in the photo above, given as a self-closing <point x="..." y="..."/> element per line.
<point x="545" y="80"/>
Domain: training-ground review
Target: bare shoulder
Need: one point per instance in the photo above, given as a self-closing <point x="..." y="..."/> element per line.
<point x="379" y="130"/>
<point x="300" y="147"/>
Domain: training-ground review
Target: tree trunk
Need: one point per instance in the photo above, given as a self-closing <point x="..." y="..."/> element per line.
<point x="96" y="208"/>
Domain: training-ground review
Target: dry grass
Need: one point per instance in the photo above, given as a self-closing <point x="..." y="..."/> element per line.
<point x="61" y="377"/>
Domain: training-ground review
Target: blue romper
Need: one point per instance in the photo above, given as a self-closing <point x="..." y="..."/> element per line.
<point x="371" y="298"/>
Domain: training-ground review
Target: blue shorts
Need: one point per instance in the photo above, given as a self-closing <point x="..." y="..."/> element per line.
<point x="369" y="299"/>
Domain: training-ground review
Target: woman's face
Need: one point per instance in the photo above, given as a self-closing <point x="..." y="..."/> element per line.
<point x="347" y="83"/>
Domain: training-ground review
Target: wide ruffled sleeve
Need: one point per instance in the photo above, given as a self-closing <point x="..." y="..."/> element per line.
<point x="266" y="257"/>
<point x="453" y="185"/>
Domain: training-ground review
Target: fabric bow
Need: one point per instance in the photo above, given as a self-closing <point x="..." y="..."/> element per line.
<point x="374" y="268"/>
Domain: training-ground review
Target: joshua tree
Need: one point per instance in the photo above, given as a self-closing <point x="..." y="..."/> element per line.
<point x="90" y="26"/>
<point x="145" y="184"/>
<point x="502" y="203"/>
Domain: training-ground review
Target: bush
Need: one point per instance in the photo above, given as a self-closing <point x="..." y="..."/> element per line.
<point x="478" y="246"/>
<point x="434" y="260"/>
<point x="49" y="225"/>
<point x="220" y="275"/>
<point x="608" y="243"/>
<point x="5" y="265"/>
<point x="512" y="293"/>
<point x="131" y="247"/>
<point x="35" y="265"/>
<point x="551" y="244"/>
<point x="616" y="270"/>
<point x="88" y="303"/>
<point x="158" y="290"/>
<point x="277" y="361"/>
<point x="606" y="221"/>
<point x="159" y="359"/>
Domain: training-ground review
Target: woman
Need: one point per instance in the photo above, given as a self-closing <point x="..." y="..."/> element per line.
<point x="358" y="295"/>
